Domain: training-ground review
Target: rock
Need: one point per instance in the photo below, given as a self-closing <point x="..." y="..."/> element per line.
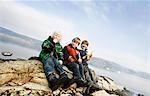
<point x="27" y="78"/>
<point x="21" y="72"/>
<point x="78" y="94"/>
<point x="74" y="85"/>
<point x="100" y="93"/>
<point x="81" y="89"/>
<point x="34" y="58"/>
<point x="7" y="60"/>
<point x="119" y="92"/>
<point x="1" y="61"/>
<point x="140" y="94"/>
<point x="65" y="95"/>
<point x="106" y="83"/>
<point x="114" y="95"/>
<point x="35" y="86"/>
<point x="69" y="92"/>
<point x="56" y="92"/>
<point x="23" y="77"/>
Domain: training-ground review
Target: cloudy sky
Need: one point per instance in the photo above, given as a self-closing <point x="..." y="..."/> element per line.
<point x="117" y="30"/>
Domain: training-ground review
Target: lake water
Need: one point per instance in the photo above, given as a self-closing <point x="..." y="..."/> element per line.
<point x="131" y="82"/>
<point x="18" y="51"/>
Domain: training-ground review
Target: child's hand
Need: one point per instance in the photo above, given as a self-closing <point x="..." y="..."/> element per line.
<point x="89" y="55"/>
<point x="84" y="57"/>
<point x="61" y="62"/>
<point x="80" y="60"/>
<point x="71" y="59"/>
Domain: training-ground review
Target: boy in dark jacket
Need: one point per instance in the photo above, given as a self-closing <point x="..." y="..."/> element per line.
<point x="85" y="55"/>
<point x="51" y="56"/>
<point x="72" y="60"/>
<point x="85" y="70"/>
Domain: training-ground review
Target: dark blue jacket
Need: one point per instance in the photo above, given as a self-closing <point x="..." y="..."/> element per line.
<point x="82" y="54"/>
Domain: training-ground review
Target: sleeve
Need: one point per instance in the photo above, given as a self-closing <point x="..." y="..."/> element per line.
<point x="78" y="54"/>
<point x="47" y="46"/>
<point x="65" y="53"/>
<point x="60" y="54"/>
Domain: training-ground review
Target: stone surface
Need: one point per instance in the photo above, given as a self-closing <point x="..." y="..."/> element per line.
<point x="100" y="93"/>
<point x="27" y="78"/>
<point x="106" y="83"/>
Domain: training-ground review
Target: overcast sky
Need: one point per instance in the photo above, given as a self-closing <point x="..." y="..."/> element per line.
<point x="118" y="31"/>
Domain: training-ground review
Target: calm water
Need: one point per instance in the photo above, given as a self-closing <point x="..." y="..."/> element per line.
<point x="18" y="51"/>
<point x="131" y="82"/>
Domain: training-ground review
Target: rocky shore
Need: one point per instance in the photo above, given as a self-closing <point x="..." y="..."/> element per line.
<point x="19" y="77"/>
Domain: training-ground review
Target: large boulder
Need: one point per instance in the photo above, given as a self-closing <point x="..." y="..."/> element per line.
<point x="23" y="78"/>
<point x="21" y="72"/>
<point x="26" y="77"/>
<point x="102" y="93"/>
<point x="106" y="83"/>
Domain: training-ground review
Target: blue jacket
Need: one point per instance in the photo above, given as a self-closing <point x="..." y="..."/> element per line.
<point x="82" y="54"/>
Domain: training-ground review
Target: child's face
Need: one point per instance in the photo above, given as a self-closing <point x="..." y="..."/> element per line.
<point x="57" y="37"/>
<point x="75" y="44"/>
<point x="84" y="46"/>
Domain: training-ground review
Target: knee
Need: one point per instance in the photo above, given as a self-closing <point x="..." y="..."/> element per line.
<point x="75" y="65"/>
<point x="48" y="64"/>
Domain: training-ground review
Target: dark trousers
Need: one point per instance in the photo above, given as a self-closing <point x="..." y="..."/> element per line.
<point x="74" y="67"/>
<point x="89" y="74"/>
<point x="81" y="69"/>
<point x="51" y="65"/>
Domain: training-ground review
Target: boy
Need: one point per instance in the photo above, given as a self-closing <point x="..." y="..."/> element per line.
<point x="85" y="70"/>
<point x="85" y="55"/>
<point x="51" y="56"/>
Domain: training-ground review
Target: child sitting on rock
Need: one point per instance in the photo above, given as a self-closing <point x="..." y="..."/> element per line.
<point x="51" y="56"/>
<point x="86" y="72"/>
<point x="85" y="55"/>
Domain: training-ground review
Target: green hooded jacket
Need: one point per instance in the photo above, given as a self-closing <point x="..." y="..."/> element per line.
<point x="49" y="48"/>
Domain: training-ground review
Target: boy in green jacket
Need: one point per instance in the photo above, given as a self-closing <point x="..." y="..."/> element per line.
<point x="51" y="56"/>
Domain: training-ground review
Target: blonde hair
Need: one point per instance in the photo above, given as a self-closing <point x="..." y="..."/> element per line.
<point x="76" y="40"/>
<point x="57" y="33"/>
